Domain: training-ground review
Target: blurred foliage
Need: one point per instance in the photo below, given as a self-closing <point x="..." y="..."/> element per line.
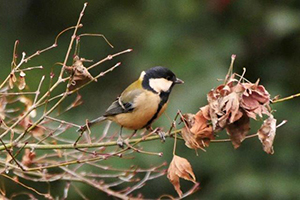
<point x="195" y="39"/>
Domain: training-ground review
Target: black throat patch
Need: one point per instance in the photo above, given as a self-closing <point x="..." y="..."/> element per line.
<point x="164" y="96"/>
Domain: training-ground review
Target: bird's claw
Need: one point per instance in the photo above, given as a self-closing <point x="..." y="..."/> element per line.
<point x="81" y="129"/>
<point x="120" y="142"/>
<point x="161" y="134"/>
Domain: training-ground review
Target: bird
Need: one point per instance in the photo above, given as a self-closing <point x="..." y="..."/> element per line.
<point x="141" y="103"/>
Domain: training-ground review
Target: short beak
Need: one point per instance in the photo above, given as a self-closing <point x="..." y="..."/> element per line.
<point x="178" y="81"/>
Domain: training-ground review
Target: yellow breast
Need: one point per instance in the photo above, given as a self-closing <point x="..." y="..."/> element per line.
<point x="146" y="105"/>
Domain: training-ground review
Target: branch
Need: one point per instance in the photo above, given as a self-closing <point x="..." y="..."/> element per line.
<point x="286" y="98"/>
<point x="93" y="145"/>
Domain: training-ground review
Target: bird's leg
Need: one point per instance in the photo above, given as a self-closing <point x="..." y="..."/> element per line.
<point x="120" y="140"/>
<point x="159" y="132"/>
<point x="82" y="129"/>
<point x="75" y="143"/>
<point x="134" y="132"/>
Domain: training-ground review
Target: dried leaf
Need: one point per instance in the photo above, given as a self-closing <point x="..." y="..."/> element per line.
<point x="223" y="109"/>
<point x="12" y="80"/>
<point x="77" y="102"/>
<point x="22" y="82"/>
<point x="80" y="74"/>
<point x="28" y="104"/>
<point x="238" y="130"/>
<point x="180" y="168"/>
<point x="198" y="132"/>
<point x="205" y="112"/>
<point x="38" y="130"/>
<point x="266" y="134"/>
<point x="202" y="130"/>
<point x="230" y="105"/>
<point x="261" y="94"/>
<point x="200" y="123"/>
<point x="217" y="117"/>
<point x="249" y="103"/>
<point x="188" y="136"/>
<point x="3" y="103"/>
<point x="255" y="100"/>
<point x="8" y="157"/>
<point x="59" y="153"/>
<point x="28" y="157"/>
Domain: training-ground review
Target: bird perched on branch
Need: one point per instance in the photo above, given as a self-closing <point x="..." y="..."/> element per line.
<point x="142" y="102"/>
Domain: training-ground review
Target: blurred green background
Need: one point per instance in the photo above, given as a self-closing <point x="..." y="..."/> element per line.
<point x="195" y="39"/>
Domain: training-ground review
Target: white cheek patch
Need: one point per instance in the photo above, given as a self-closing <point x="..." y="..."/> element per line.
<point x="160" y="84"/>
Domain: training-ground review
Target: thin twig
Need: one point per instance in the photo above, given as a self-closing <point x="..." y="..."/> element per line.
<point x="229" y="140"/>
<point x="97" y="186"/>
<point x="11" y="155"/>
<point x="14" y="59"/>
<point x="286" y="98"/>
<point x="25" y="186"/>
<point x="233" y="56"/>
<point x="97" y="35"/>
<point x="30" y="68"/>
<point x="38" y="90"/>
<point x="62" y="121"/>
<point x="140" y="184"/>
<point x="72" y="40"/>
<point x="142" y="151"/>
<point x="65" y="30"/>
<point x="79" y="192"/>
<point x="14" y="69"/>
<point x="17" y="93"/>
<point x="109" y="57"/>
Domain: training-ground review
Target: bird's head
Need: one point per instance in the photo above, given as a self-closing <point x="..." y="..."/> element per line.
<point x="159" y="79"/>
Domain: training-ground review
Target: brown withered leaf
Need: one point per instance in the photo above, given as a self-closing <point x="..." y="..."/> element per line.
<point x="180" y="168"/>
<point x="80" y="74"/>
<point x="230" y="106"/>
<point x="28" y="104"/>
<point x="12" y="80"/>
<point x="255" y="100"/>
<point x="205" y="112"/>
<point x="218" y="118"/>
<point x="266" y="134"/>
<point x="198" y="132"/>
<point x="223" y="109"/>
<point x="202" y="130"/>
<point x="261" y="94"/>
<point x="28" y="157"/>
<point x="3" y="103"/>
<point x="38" y="130"/>
<point x="238" y="130"/>
<point x="22" y="82"/>
<point x="77" y="102"/>
<point x="188" y="136"/>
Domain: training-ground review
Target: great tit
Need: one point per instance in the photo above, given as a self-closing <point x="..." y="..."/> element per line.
<point x="142" y="102"/>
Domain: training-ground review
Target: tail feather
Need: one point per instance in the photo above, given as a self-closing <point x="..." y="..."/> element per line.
<point x="91" y="123"/>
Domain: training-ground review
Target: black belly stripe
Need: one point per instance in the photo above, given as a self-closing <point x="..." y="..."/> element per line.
<point x="164" y="96"/>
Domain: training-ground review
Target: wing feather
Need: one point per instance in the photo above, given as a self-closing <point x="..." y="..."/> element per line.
<point x="125" y="103"/>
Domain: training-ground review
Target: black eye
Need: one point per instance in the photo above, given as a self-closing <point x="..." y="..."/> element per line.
<point x="168" y="78"/>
